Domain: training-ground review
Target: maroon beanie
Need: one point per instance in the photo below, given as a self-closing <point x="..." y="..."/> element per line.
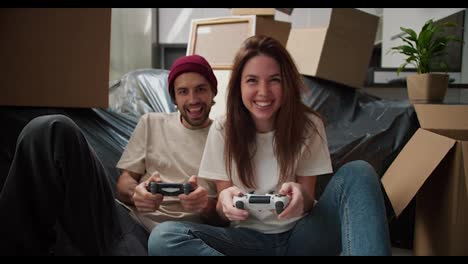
<point x="192" y="63"/>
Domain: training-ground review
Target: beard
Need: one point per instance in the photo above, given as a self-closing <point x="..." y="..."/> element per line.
<point x="200" y="120"/>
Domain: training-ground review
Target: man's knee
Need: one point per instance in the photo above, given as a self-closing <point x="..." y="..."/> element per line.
<point x="44" y="124"/>
<point x="46" y="121"/>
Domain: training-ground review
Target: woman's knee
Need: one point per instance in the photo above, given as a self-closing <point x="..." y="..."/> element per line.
<point x="361" y="171"/>
<point x="163" y="236"/>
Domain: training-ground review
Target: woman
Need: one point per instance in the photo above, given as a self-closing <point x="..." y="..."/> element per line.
<point x="268" y="142"/>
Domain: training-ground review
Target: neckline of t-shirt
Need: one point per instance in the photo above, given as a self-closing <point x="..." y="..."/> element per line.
<point x="266" y="134"/>
<point x="179" y="121"/>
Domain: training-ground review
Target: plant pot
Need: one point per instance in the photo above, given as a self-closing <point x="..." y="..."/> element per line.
<point x="427" y="88"/>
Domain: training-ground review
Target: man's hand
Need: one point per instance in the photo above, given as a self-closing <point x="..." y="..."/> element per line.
<point x="195" y="201"/>
<point x="145" y="201"/>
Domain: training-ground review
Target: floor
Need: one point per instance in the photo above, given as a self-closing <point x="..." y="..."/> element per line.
<point x="401" y="252"/>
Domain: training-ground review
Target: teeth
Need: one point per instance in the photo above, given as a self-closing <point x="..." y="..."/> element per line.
<point x="263" y="103"/>
<point x="195" y="109"/>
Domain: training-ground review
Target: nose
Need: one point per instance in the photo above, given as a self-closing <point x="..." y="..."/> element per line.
<point x="263" y="88"/>
<point x="193" y="97"/>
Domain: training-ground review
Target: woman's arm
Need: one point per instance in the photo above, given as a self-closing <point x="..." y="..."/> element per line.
<point x="220" y="186"/>
<point x="308" y="186"/>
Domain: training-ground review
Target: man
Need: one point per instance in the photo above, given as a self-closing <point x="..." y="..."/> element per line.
<point x="57" y="195"/>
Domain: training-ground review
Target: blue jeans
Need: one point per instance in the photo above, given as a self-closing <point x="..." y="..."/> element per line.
<point x="349" y="219"/>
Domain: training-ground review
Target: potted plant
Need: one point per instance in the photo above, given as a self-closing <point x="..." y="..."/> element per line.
<point x="422" y="50"/>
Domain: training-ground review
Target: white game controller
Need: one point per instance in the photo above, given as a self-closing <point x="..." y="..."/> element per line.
<point x="261" y="202"/>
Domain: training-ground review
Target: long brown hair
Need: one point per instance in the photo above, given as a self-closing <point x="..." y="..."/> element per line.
<point x="291" y="124"/>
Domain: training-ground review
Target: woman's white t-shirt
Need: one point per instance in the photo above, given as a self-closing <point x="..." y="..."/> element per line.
<point x="313" y="161"/>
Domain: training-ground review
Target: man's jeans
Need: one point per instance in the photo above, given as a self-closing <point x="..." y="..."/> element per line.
<point x="57" y="198"/>
<point x="349" y="219"/>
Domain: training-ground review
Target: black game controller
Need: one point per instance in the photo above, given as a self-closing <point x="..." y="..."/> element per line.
<point x="170" y="189"/>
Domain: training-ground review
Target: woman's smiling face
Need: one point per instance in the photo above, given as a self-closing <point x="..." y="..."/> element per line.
<point x="262" y="91"/>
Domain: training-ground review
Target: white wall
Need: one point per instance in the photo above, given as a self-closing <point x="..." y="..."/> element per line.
<point x="174" y="23"/>
<point x="131" y="36"/>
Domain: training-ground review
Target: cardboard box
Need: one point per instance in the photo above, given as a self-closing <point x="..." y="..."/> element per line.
<point x="259" y="11"/>
<point x="433" y="166"/>
<point x="55" y="57"/>
<point x="219" y="39"/>
<point x="340" y="52"/>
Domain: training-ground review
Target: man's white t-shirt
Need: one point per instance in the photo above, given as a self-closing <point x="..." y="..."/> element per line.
<point x="161" y="143"/>
<point x="313" y="161"/>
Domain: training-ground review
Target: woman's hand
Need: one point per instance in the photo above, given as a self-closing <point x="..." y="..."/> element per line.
<point x="298" y="199"/>
<point x="227" y="207"/>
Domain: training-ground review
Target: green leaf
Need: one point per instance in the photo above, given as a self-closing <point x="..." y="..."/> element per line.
<point x="403" y="66"/>
<point x="424" y="39"/>
<point x="409" y="42"/>
<point x="429" y="24"/>
<point x="412" y="35"/>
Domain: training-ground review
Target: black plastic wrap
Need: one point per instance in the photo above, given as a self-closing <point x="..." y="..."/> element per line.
<point x="360" y="125"/>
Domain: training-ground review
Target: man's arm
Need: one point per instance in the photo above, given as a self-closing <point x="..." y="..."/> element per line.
<point x="126" y="185"/>
<point x="199" y="201"/>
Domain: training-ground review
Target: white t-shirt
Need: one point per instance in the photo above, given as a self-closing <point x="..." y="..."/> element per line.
<point x="161" y="143"/>
<point x="313" y="161"/>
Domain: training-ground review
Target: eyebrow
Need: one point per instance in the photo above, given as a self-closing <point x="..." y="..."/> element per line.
<point x="255" y="76"/>
<point x="250" y="75"/>
<point x="197" y="86"/>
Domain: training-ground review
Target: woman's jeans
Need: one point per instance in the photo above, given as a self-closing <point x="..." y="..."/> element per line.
<point x="349" y="219"/>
